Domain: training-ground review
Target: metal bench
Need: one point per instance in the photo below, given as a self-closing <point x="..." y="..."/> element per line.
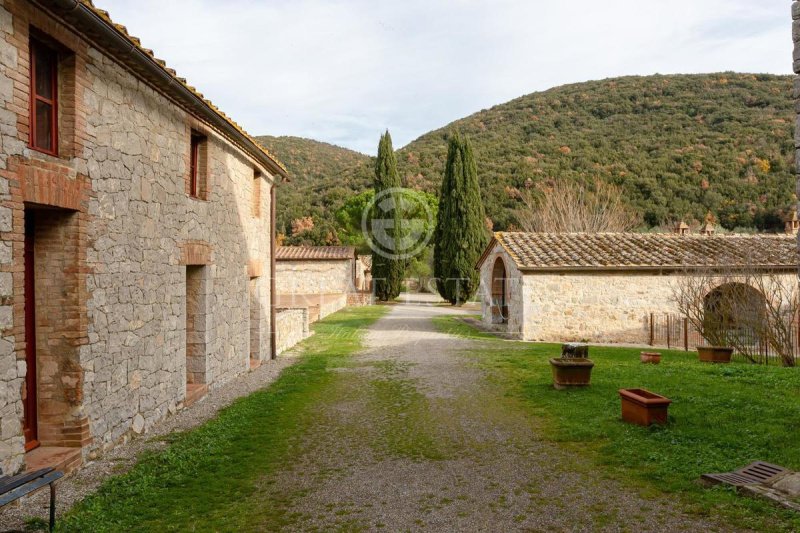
<point x="15" y="487"/>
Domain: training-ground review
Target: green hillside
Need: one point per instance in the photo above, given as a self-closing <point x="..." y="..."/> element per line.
<point x="323" y="177"/>
<point x="678" y="145"/>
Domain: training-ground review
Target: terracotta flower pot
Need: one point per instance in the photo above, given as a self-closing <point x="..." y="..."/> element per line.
<point x="652" y="358"/>
<point x="714" y="354"/>
<point x="642" y="407"/>
<point x="575" y="372"/>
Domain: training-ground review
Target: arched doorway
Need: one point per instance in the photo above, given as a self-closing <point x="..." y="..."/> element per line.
<point x="499" y="292"/>
<point x="734" y="309"/>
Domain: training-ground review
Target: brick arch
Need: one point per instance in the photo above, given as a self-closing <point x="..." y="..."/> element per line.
<point x="499" y="291"/>
<point x="733" y="306"/>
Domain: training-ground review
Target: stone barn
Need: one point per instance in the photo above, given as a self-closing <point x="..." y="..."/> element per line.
<point x="135" y="237"/>
<point x="603" y="287"/>
<point x="316" y="277"/>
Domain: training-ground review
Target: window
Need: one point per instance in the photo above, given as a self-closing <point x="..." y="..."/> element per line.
<point x="44" y="98"/>
<point x="197" y="166"/>
<point x="256" y="194"/>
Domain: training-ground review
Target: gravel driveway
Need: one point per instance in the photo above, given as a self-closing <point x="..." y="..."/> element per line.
<point x="414" y="436"/>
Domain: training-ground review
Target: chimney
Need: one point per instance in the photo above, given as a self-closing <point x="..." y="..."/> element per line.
<point x="708" y="227"/>
<point x="682" y="228"/>
<point x="792" y="224"/>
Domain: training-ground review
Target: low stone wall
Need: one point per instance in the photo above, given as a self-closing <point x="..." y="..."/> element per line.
<point x="314" y="277"/>
<point x="332" y="303"/>
<point x="291" y="327"/>
<point x="360" y="298"/>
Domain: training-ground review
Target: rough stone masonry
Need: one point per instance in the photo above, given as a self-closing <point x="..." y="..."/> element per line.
<point x="146" y="195"/>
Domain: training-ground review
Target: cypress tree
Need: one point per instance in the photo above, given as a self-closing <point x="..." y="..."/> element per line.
<point x="387" y="270"/>
<point x="461" y="234"/>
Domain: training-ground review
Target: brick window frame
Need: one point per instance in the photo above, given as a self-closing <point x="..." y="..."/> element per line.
<point x="197" y="181"/>
<point x="39" y="50"/>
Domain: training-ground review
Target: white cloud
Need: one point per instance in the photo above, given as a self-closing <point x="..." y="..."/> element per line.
<point x="344" y="70"/>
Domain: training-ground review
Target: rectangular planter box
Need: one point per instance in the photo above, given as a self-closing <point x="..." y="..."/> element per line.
<point x="642" y="407"/>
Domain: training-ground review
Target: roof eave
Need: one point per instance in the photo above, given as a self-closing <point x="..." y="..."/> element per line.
<point x="92" y="26"/>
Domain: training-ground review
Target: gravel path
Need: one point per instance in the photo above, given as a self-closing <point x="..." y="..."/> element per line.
<point x="415" y="436"/>
<point x="120" y="459"/>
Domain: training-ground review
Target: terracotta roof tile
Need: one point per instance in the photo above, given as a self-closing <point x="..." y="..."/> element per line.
<point x="570" y="251"/>
<point x="310" y="253"/>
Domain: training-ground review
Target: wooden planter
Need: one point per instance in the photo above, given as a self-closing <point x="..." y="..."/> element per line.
<point x="568" y="373"/>
<point x="714" y="354"/>
<point x="642" y="407"/>
<point x="652" y="358"/>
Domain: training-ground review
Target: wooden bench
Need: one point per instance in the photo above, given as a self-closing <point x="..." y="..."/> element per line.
<point x="13" y="488"/>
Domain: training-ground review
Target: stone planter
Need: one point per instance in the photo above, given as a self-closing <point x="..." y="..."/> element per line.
<point x="642" y="407"/>
<point x="714" y="354"/>
<point x="571" y="372"/>
<point x="652" y="358"/>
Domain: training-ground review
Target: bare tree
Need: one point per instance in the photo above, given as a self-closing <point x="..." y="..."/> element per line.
<point x="778" y="322"/>
<point x="564" y="206"/>
<point x="749" y="309"/>
<point x="689" y="291"/>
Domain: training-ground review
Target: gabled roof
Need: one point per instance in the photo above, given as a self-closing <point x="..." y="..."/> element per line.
<point x="314" y="253"/>
<point x="113" y="39"/>
<point x="644" y="251"/>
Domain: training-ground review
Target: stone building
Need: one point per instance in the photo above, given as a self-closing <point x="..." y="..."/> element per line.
<point x="135" y="237"/>
<point x="316" y="269"/>
<point x="318" y="278"/>
<point x="602" y="287"/>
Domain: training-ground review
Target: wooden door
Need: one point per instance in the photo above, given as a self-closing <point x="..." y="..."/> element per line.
<point x="30" y="423"/>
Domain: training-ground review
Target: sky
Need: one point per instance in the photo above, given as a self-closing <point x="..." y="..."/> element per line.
<point x="343" y="71"/>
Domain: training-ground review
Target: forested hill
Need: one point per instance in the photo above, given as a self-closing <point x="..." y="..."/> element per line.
<point x="323" y="177"/>
<point x="679" y="146"/>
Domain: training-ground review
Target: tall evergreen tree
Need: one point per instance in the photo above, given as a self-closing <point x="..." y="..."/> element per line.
<point x="461" y="234"/>
<point x="387" y="270"/>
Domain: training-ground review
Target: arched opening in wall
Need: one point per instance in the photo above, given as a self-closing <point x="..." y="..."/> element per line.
<point x="499" y="292"/>
<point x="735" y="309"/>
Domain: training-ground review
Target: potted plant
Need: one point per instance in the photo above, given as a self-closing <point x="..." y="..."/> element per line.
<point x="642" y="407"/>
<point x="573" y="368"/>
<point x="652" y="358"/>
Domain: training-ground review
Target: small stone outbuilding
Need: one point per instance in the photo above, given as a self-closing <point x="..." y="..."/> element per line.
<point x="602" y="287"/>
<point x="318" y="278"/>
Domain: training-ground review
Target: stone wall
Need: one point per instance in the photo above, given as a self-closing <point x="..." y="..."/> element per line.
<point x="331" y="304"/>
<point x="601" y="307"/>
<point x="516" y="310"/>
<point x="291" y="327"/>
<point x="315" y="277"/>
<point x="594" y="307"/>
<point x="119" y="187"/>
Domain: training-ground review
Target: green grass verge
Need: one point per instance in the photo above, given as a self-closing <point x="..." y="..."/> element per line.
<point x="722" y="417"/>
<point x="204" y="479"/>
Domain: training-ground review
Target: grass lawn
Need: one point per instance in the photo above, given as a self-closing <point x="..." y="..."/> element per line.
<point x="204" y="479"/>
<point x="722" y="417"/>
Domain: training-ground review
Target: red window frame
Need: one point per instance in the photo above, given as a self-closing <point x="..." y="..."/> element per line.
<point x="194" y="159"/>
<point x="37" y="48"/>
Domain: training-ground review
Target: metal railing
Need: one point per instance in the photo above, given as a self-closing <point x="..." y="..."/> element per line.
<point x="676" y="332"/>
